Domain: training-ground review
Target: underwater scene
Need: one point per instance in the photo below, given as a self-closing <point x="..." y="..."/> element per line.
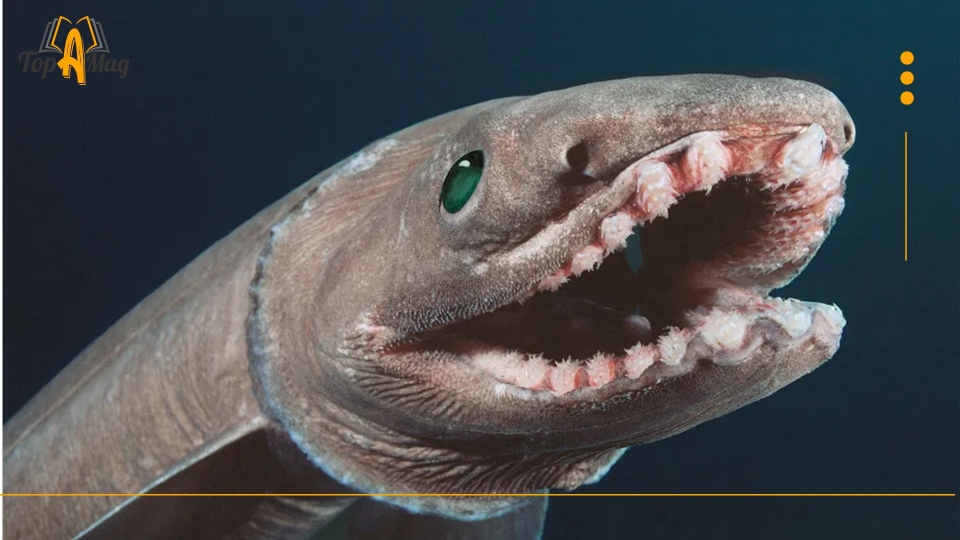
<point x="326" y="270"/>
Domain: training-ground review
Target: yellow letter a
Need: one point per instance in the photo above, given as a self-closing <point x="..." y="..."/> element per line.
<point x="73" y="57"/>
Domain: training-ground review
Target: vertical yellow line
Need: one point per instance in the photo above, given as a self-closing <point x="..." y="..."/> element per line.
<point x="904" y="195"/>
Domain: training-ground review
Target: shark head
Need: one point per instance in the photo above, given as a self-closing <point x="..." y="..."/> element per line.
<point x="456" y="310"/>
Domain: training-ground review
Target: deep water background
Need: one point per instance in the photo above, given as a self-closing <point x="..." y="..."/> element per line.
<point x="111" y="188"/>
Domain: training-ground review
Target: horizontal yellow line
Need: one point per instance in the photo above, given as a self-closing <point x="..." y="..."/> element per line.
<point x="478" y="494"/>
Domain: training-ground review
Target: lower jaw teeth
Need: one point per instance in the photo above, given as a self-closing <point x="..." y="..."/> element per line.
<point x="723" y="336"/>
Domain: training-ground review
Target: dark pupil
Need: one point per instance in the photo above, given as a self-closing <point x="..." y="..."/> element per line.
<point x="461" y="181"/>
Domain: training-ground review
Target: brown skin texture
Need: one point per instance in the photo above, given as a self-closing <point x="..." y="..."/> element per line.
<point x="164" y="387"/>
<point x="361" y="257"/>
<point x="419" y="423"/>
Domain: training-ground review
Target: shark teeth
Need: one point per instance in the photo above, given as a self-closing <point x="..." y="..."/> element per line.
<point x="600" y="370"/>
<point x="563" y="377"/>
<point x="801" y="174"/>
<point x="724" y="336"/>
<point x="672" y="345"/>
<point x="801" y="155"/>
<point x="724" y="330"/>
<point x="655" y="190"/>
<point x="707" y="160"/>
<point x="614" y="231"/>
<point x="801" y="170"/>
<point x="587" y="258"/>
<point x="638" y="359"/>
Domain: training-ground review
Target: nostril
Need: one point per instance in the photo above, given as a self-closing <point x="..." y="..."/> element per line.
<point x="848" y="132"/>
<point x="578" y="157"/>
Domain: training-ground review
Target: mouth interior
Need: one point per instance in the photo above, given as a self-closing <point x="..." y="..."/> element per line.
<point x="721" y="220"/>
<point x="633" y="296"/>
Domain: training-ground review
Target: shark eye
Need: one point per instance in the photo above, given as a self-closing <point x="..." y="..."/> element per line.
<point x="461" y="181"/>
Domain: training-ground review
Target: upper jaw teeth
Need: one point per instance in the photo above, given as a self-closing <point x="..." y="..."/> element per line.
<point x="656" y="192"/>
<point x="801" y="154"/>
<point x="587" y="258"/>
<point x="801" y="161"/>
<point x="615" y="229"/>
<point x="708" y="160"/>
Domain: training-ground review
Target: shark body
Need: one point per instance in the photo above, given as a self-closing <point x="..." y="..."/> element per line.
<point x="450" y="311"/>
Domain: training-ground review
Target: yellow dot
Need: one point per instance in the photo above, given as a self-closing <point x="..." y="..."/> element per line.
<point x="906" y="77"/>
<point x="906" y="98"/>
<point x="906" y="58"/>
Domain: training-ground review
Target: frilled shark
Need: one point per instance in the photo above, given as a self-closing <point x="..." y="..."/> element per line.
<point x="452" y="311"/>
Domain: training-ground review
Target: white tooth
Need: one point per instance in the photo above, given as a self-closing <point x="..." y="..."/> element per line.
<point x="792" y="316"/>
<point x="834" y="207"/>
<point x="833" y="315"/>
<point x="707" y="160"/>
<point x="638" y="326"/>
<point x="816" y="185"/>
<point x="655" y="192"/>
<point x="531" y="374"/>
<point x="513" y="368"/>
<point x="563" y="377"/>
<point x="724" y="330"/>
<point x="552" y="283"/>
<point x="502" y="365"/>
<point x="638" y="359"/>
<point x="600" y="370"/>
<point x="832" y="176"/>
<point x="615" y="229"/>
<point x="586" y="259"/>
<point x="796" y="323"/>
<point x="672" y="346"/>
<point x="801" y="154"/>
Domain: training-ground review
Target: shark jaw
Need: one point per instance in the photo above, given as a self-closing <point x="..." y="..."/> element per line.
<point x="724" y="217"/>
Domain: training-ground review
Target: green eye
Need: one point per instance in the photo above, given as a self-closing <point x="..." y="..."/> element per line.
<point x="461" y="181"/>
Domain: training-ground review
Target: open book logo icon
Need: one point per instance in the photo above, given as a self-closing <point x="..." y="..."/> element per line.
<point x="74" y="44"/>
<point x="73" y="48"/>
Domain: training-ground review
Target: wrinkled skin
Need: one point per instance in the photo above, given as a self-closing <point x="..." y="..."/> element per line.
<point x="352" y="319"/>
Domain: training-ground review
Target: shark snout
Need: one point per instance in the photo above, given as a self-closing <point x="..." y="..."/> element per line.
<point x="594" y="132"/>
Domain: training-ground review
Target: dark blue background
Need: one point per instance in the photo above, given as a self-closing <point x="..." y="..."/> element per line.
<point x="111" y="188"/>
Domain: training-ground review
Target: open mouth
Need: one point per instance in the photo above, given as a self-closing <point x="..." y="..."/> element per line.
<point x="714" y="222"/>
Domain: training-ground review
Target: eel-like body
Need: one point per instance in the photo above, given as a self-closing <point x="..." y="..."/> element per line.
<point x="450" y="310"/>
